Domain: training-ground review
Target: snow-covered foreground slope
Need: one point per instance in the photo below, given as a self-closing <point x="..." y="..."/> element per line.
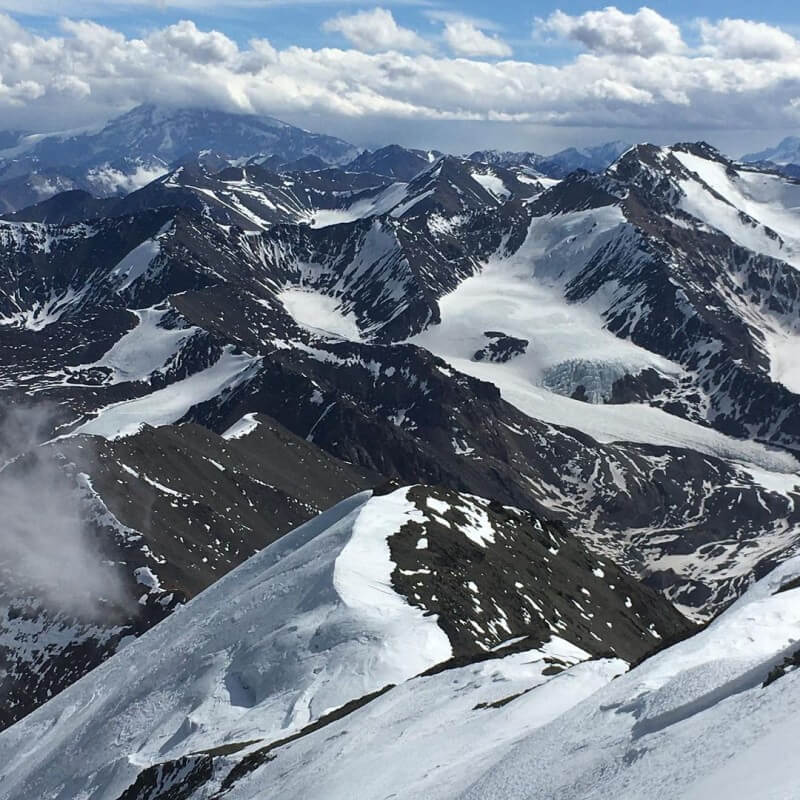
<point x="433" y="736"/>
<point x="694" y="721"/>
<point x="714" y="716"/>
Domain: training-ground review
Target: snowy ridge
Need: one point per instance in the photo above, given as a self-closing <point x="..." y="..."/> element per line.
<point x="174" y="508"/>
<point x="724" y="687"/>
<point x="755" y="206"/>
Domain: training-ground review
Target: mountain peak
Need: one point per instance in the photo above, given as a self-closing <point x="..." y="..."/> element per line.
<point x="786" y="152"/>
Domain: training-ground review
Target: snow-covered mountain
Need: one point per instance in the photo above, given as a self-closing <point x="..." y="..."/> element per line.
<point x="641" y="307"/>
<point x="138" y="146"/>
<point x="786" y="152"/>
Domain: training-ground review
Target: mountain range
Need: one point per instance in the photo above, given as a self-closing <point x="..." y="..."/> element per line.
<point x="393" y="471"/>
<point x="560" y="164"/>
<point x="130" y="151"/>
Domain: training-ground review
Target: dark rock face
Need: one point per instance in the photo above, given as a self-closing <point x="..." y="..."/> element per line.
<point x="494" y="574"/>
<point x="639" y="388"/>
<point x="177" y="780"/>
<point x="394" y="161"/>
<point x="501" y="347"/>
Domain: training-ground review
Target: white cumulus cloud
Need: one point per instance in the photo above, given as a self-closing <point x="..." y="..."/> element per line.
<point x="375" y="30"/>
<point x="610" y="30"/>
<point x="86" y="72"/>
<point x="466" y="39"/>
<point x="740" y="38"/>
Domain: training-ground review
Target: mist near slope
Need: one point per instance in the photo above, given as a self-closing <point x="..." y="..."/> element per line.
<point x="48" y="549"/>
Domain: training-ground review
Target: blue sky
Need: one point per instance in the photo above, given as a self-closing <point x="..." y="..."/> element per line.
<point x="423" y="72"/>
<point x="288" y="22"/>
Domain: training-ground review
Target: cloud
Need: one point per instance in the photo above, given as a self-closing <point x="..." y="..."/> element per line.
<point x="465" y="39"/>
<point x="89" y="72"/>
<point x="645" y="33"/>
<point x="740" y="38"/>
<point x="375" y="30"/>
<point x="193" y="45"/>
<point x="47" y="550"/>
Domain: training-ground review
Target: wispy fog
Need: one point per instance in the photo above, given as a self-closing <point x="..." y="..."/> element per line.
<point x="47" y="549"/>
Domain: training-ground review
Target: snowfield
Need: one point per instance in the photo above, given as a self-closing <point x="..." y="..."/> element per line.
<point x="784" y="349"/>
<point x="521" y="296"/>
<point x="244" y="427"/>
<point x="320" y="313"/>
<point x="147" y="348"/>
<point x="384" y="202"/>
<point x="171" y="403"/>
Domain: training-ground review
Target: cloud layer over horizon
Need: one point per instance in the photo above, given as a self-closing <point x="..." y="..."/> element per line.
<point x="622" y="70"/>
